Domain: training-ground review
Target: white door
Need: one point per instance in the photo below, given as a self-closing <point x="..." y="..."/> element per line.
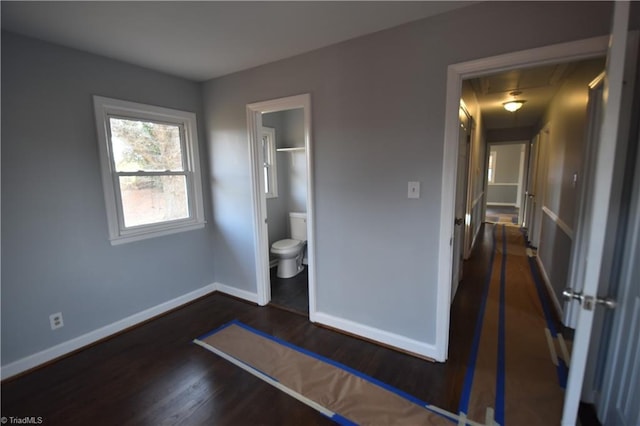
<point x="579" y="248"/>
<point x="620" y="402"/>
<point x="603" y="176"/>
<point x="531" y="186"/>
<point x="522" y="179"/>
<point x="461" y="200"/>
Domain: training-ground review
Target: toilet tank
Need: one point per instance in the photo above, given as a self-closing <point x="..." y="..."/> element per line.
<point x="298" y="226"/>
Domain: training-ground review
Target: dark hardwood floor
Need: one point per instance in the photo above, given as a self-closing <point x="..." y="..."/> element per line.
<point x="154" y="374"/>
<point x="291" y="293"/>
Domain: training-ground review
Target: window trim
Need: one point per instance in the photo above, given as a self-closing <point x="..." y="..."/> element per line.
<point x="271" y="162"/>
<point x="491" y="166"/>
<point x="104" y="109"/>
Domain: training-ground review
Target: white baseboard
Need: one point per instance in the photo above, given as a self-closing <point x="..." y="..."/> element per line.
<point x="79" y="342"/>
<point x="550" y="290"/>
<point x="377" y="335"/>
<point x="236" y="292"/>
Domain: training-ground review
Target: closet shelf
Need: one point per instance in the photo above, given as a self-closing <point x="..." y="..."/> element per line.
<point x="297" y="148"/>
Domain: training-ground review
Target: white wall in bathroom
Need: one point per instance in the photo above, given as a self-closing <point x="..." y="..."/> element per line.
<point x="292" y="171"/>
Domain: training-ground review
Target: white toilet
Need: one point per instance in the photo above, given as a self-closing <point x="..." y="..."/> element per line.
<point x="290" y="252"/>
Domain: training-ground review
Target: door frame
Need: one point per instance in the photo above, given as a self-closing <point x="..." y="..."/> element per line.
<point x="258" y="198"/>
<point x="553" y="54"/>
<point x="540" y="185"/>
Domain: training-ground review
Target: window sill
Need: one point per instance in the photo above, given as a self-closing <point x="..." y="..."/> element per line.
<point x="123" y="239"/>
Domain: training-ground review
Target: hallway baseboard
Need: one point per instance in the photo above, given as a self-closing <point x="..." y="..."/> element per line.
<point x="547" y="282"/>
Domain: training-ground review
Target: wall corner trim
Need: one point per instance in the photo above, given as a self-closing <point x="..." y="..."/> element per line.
<point x="385" y="337"/>
<point x="236" y="292"/>
<point x="50" y="354"/>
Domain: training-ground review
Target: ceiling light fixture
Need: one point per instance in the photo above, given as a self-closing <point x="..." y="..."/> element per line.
<point x="513" y="105"/>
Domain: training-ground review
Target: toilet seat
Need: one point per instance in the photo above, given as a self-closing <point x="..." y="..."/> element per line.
<point x="285" y="245"/>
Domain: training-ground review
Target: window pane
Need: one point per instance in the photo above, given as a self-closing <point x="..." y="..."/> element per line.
<point x="153" y="199"/>
<point x="266" y="180"/>
<point x="145" y="145"/>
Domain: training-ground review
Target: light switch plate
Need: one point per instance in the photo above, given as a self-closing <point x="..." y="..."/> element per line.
<point x="414" y="190"/>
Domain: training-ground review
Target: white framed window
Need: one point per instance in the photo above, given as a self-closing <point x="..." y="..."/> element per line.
<point x="150" y="169"/>
<point x="491" y="170"/>
<point x="270" y="168"/>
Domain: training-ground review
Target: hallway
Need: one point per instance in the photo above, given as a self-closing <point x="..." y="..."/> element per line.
<point x="516" y="365"/>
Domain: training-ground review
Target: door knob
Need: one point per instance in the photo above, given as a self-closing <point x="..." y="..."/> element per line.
<point x="588" y="302"/>
<point x="568" y="294"/>
<point x="607" y="302"/>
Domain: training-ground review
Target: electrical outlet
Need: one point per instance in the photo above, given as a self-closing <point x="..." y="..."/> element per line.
<point x="56" y="320"/>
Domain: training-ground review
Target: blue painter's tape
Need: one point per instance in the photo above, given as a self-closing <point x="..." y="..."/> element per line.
<point x="215" y="330"/>
<point x="224" y="326"/>
<point x="563" y="373"/>
<point x="500" y="370"/>
<point x="543" y="301"/>
<point x="561" y="369"/>
<point x="336" y="364"/>
<point x="473" y="356"/>
<point x="342" y="420"/>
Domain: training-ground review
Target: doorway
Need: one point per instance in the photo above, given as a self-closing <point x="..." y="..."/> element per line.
<point x="457" y="73"/>
<point x="505" y="182"/>
<point x="285" y="177"/>
<point x="282" y="188"/>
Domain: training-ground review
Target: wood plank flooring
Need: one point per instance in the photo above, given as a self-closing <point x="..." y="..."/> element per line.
<point x="291" y="293"/>
<point x="154" y="374"/>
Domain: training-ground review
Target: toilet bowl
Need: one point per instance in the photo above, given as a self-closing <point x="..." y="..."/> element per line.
<point x="290" y="251"/>
<point x="289" y="254"/>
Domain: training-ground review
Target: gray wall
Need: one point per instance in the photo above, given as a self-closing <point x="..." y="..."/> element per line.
<point x="378" y="122"/>
<point x="502" y="194"/>
<point x="296" y="161"/>
<point x="507" y="162"/>
<point x="56" y="256"/>
<point x="507" y="171"/>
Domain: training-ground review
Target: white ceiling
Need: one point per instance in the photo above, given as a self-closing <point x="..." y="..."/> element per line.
<point x="203" y="40"/>
<point x="537" y="85"/>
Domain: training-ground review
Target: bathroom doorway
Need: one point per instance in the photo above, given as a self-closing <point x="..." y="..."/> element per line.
<point x="280" y="147"/>
<point x="285" y="176"/>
